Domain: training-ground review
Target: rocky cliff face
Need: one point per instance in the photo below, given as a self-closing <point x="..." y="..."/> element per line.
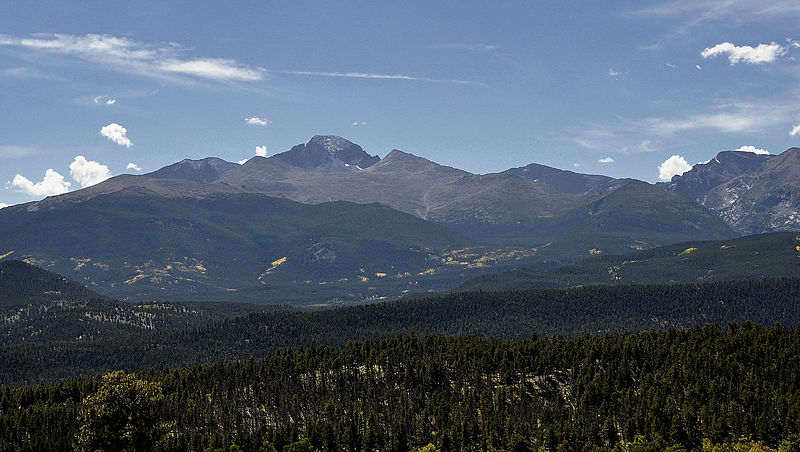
<point x="764" y="199"/>
<point x="727" y="165"/>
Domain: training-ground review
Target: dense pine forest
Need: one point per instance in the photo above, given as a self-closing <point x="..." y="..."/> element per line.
<point x="501" y="315"/>
<point x="649" y="390"/>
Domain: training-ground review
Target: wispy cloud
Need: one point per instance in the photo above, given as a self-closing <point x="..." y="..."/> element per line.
<point x="606" y="160"/>
<point x="795" y="131"/>
<point x="613" y="73"/>
<point x="721" y="122"/>
<point x="367" y="75"/>
<point x="359" y="123"/>
<point x="11" y="151"/>
<point x="256" y="121"/>
<point x="692" y="14"/>
<point x="127" y="55"/>
<point x="464" y="46"/>
<point x="763" y="53"/>
<point x="104" y="100"/>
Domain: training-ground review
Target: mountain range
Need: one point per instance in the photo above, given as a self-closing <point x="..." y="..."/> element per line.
<point x="326" y="222"/>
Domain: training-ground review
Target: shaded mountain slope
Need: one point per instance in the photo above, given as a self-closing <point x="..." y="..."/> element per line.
<point x="568" y="181"/>
<point x="22" y="283"/>
<point x="136" y="244"/>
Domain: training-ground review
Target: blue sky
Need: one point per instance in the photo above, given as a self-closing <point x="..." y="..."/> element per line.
<point x="92" y="89"/>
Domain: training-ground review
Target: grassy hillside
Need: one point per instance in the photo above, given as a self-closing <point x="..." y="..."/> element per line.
<point x="757" y="256"/>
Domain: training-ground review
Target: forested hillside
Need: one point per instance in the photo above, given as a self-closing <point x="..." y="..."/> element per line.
<point x="592" y="393"/>
<point x="503" y="315"/>
<point x="751" y="257"/>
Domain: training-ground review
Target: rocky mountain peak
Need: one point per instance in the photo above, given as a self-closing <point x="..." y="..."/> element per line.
<point x="328" y="151"/>
<point x="208" y="169"/>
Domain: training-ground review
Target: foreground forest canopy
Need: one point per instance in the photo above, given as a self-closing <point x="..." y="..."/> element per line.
<point x="654" y="389"/>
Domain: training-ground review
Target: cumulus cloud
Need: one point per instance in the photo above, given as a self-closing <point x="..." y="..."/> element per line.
<point x="133" y="166"/>
<point x="673" y="166"/>
<point x="130" y="56"/>
<point x="763" y="53"/>
<point x="88" y="172"/>
<point x="117" y="134"/>
<point x="359" y="123"/>
<point x="256" y="121"/>
<point x="261" y="151"/>
<point x="52" y="184"/>
<point x="795" y="131"/>
<point x="753" y="149"/>
<point x="606" y="160"/>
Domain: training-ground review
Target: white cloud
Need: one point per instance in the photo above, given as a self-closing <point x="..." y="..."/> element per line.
<point x="753" y="149"/>
<point x="576" y="165"/>
<point x="359" y="123"/>
<point x="117" y="134"/>
<point x="52" y="184"/>
<point x="87" y="172"/>
<point x="763" y="53"/>
<point x="606" y="160"/>
<point x="673" y="166"/>
<point x="463" y="46"/>
<point x="213" y="68"/>
<point x="699" y="68"/>
<point x="722" y="122"/>
<point x="671" y="65"/>
<point x="242" y="161"/>
<point x="11" y="151"/>
<point x="613" y="73"/>
<point x="376" y="76"/>
<point x="795" y="130"/>
<point x="256" y="121"/>
<point x="133" y="166"/>
<point x="126" y="55"/>
<point x="261" y="151"/>
<point x="104" y="100"/>
<point x="4" y="205"/>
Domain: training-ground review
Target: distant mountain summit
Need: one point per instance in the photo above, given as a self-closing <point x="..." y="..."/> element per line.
<point x="568" y="181"/>
<point x="703" y="177"/>
<point x="765" y="198"/>
<point x="328" y="150"/>
<point x="208" y="169"/>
